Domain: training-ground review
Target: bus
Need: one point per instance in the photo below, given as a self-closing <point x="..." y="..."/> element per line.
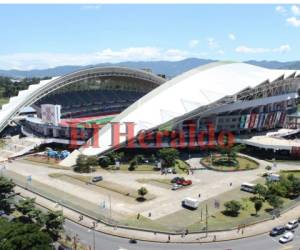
<point x="248" y="187"/>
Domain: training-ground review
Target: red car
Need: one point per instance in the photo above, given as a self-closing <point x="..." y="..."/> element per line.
<point x="184" y="182"/>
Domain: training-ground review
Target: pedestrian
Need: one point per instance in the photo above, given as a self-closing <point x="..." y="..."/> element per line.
<point x="149" y="215"/>
<point x="230" y="184"/>
<point x="215" y="237"/>
<point x="138" y="216"/>
<point x="169" y="238"/>
<point x="199" y="195"/>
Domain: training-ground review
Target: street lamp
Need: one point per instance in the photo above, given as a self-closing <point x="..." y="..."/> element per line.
<point x="93" y="230"/>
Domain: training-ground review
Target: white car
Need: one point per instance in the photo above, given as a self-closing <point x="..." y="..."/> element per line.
<point x="176" y="186"/>
<point x="292" y="224"/>
<point x="287" y="237"/>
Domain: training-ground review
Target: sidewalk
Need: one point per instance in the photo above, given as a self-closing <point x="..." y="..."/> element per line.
<point x="249" y="231"/>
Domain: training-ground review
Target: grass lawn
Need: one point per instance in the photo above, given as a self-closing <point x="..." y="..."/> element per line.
<point x="191" y="220"/>
<point x="140" y="167"/>
<point x="243" y="164"/>
<point x="181" y="167"/>
<point x="50" y="163"/>
<point x="111" y="186"/>
<point x="296" y="173"/>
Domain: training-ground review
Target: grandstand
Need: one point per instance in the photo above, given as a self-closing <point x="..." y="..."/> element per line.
<point x="91" y="102"/>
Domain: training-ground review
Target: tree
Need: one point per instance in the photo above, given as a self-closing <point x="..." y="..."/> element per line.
<point x="142" y="191"/>
<point x="53" y="223"/>
<point x="168" y="156"/>
<point x="261" y="190"/>
<point x="82" y="164"/>
<point x="19" y="236"/>
<point x="104" y="161"/>
<point x="258" y="205"/>
<point x="92" y="161"/>
<point x="232" y="207"/>
<point x="132" y="164"/>
<point x="29" y="211"/>
<point x="275" y="201"/>
<point x="6" y="189"/>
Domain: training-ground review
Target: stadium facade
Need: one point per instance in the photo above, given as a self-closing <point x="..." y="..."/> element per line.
<point x="237" y="97"/>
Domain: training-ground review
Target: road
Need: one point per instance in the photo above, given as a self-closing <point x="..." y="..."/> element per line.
<point x="107" y="242"/>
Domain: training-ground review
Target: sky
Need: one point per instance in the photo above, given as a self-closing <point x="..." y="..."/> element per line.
<point x="43" y="36"/>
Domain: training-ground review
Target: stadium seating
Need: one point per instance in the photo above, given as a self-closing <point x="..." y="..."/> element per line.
<point x="91" y="102"/>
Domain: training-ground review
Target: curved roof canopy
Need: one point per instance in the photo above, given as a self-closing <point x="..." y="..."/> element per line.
<point x="35" y="92"/>
<point x="195" y="88"/>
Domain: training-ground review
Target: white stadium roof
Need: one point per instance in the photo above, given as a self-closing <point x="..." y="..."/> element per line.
<point x="195" y="88"/>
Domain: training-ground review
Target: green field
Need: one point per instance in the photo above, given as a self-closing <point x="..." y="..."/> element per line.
<point x="243" y="164"/>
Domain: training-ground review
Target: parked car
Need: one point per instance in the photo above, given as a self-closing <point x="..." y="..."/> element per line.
<point x="174" y="171"/>
<point x="175" y="179"/>
<point x="97" y="178"/>
<point x="176" y="186"/>
<point x="2" y="212"/>
<point x="277" y="231"/>
<point x="184" y="182"/>
<point x="292" y="225"/>
<point x="287" y="237"/>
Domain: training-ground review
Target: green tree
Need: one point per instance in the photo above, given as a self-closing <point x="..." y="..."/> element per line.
<point x="275" y="201"/>
<point x="53" y="223"/>
<point x="104" y="161"/>
<point x="133" y="164"/>
<point x="261" y="190"/>
<point x="19" y="236"/>
<point x="168" y="156"/>
<point x="142" y="192"/>
<point x="258" y="205"/>
<point x="232" y="207"/>
<point x="92" y="161"/>
<point x="29" y="211"/>
<point x="6" y="190"/>
<point x="82" y="164"/>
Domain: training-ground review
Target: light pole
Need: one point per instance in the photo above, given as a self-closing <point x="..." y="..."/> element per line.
<point x="93" y="231"/>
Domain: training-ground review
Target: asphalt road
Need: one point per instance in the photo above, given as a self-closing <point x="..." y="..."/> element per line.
<point x="107" y="242"/>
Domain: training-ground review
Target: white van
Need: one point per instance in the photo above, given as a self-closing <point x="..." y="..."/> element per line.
<point x="190" y="202"/>
<point x="273" y="177"/>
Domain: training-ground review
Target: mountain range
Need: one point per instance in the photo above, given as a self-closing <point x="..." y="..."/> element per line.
<point x="169" y="68"/>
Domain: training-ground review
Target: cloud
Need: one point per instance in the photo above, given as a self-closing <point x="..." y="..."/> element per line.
<point x="280" y="9"/>
<point x="294" y="21"/>
<point x="193" y="43"/>
<point x="232" y="37"/>
<point x="212" y="43"/>
<point x="295" y="10"/>
<point x="283" y="48"/>
<point x="26" y="61"/>
<point x="249" y="50"/>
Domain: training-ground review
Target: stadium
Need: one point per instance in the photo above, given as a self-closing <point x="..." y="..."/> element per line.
<point x="247" y="100"/>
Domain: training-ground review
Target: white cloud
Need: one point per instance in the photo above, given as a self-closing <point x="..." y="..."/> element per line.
<point x="212" y="43"/>
<point x="250" y="50"/>
<point x="232" y="36"/>
<point x="294" y="21"/>
<point x="283" y="48"/>
<point x="280" y="9"/>
<point x="295" y="10"/>
<point x="26" y="61"/>
<point x="193" y="43"/>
